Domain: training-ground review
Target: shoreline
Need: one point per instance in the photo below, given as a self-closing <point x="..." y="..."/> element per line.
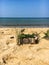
<point x="27" y="26"/>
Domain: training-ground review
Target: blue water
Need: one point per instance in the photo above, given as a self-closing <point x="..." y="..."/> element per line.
<point x="24" y="21"/>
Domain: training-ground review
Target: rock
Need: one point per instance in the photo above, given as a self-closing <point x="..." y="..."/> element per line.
<point x="12" y="37"/>
<point x="4" y="61"/>
<point x="25" y="40"/>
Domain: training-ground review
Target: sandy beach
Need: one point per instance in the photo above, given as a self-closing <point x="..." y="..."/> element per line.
<point x="26" y="54"/>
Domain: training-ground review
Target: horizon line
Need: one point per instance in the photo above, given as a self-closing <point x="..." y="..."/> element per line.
<point x="26" y="17"/>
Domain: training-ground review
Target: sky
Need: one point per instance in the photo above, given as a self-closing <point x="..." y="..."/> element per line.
<point x="24" y="8"/>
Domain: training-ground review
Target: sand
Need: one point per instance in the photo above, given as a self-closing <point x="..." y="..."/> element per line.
<point x="26" y="54"/>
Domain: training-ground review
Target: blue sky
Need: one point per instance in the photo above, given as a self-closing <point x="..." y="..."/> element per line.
<point x="24" y="8"/>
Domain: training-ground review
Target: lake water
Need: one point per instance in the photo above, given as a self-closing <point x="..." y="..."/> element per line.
<point x="24" y="21"/>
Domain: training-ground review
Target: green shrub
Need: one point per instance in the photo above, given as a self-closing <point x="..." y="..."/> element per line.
<point x="46" y="34"/>
<point x="26" y="36"/>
